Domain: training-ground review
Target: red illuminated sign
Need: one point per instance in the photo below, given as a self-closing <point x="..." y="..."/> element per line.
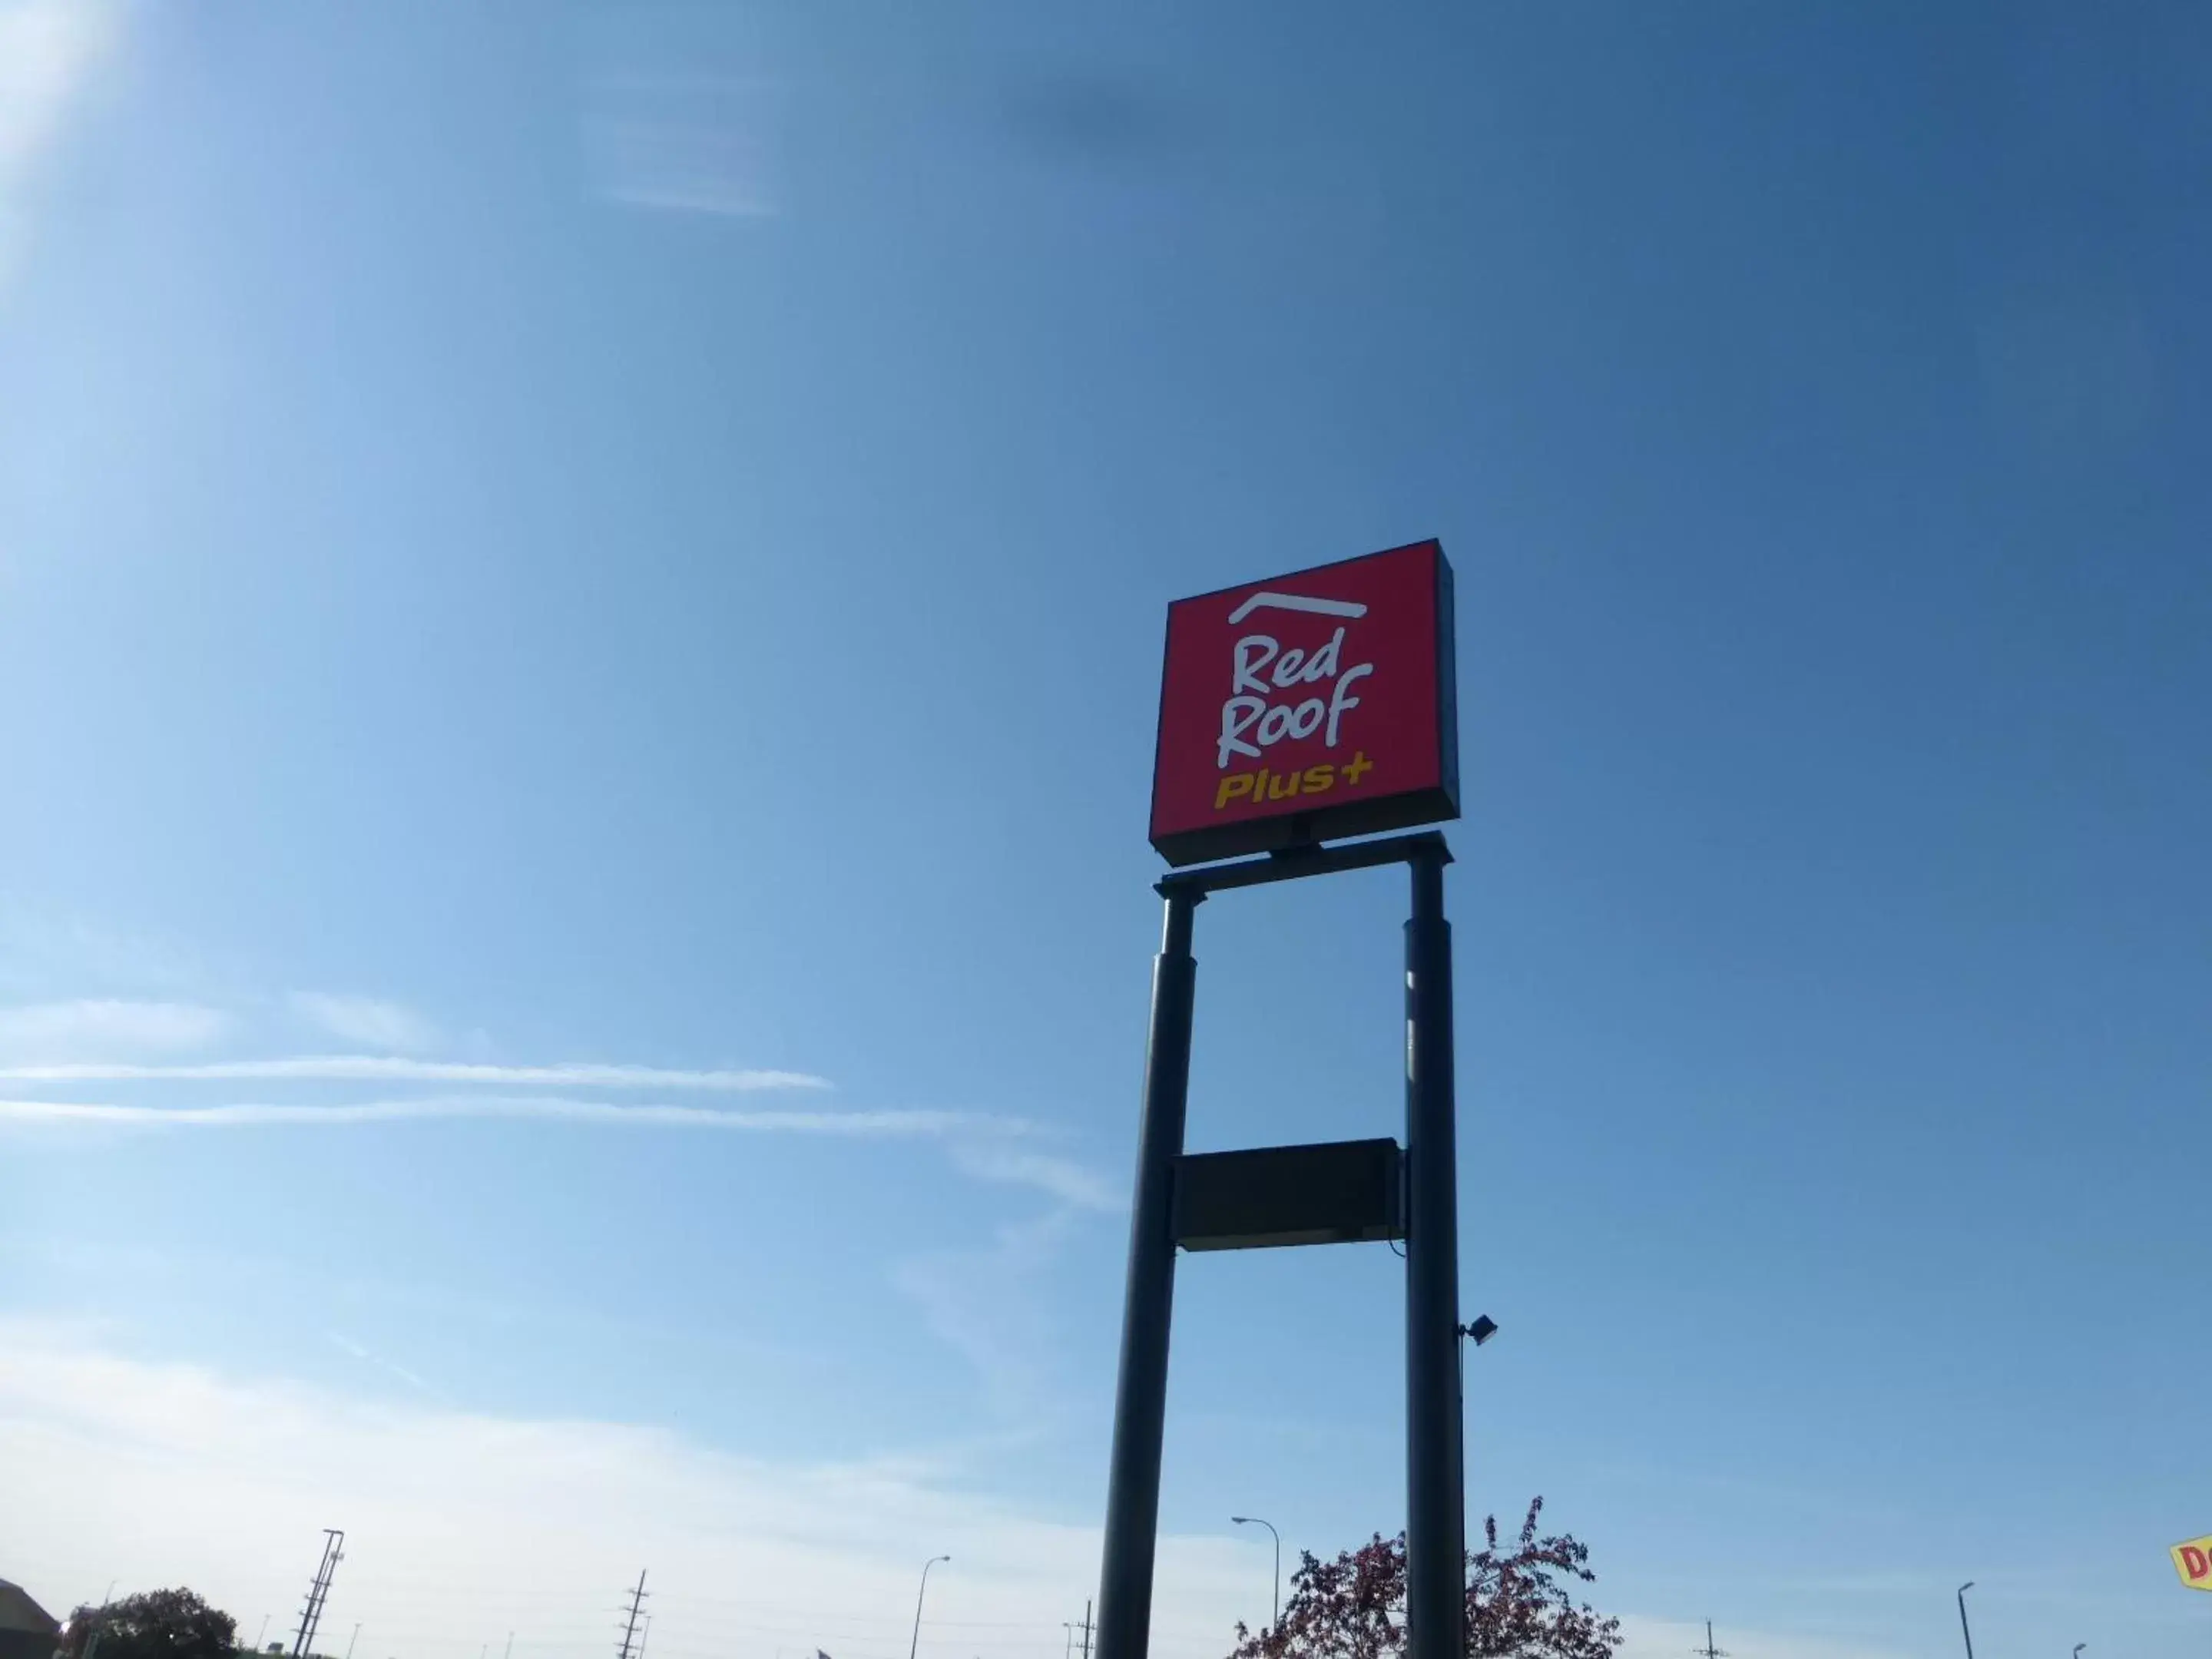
<point x="1307" y="707"/>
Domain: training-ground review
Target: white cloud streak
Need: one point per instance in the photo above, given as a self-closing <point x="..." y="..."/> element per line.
<point x="93" y="1026"/>
<point x="978" y="1142"/>
<point x="1066" y="1179"/>
<point x="684" y="143"/>
<point x="352" y="1350"/>
<point x="46" y="49"/>
<point x="377" y="1068"/>
<point x="39" y="951"/>
<point x="855" y="1125"/>
<point x="992" y="1306"/>
<point x="49" y="50"/>
<point x="369" y="1021"/>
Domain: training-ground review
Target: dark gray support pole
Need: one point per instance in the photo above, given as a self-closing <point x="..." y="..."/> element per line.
<point x="1436" y="1500"/>
<point x="1141" y="1399"/>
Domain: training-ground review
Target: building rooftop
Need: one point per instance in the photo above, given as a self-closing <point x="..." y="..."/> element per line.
<point x="19" y="1612"/>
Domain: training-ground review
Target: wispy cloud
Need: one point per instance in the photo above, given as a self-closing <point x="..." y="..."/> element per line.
<point x="868" y="1125"/>
<point x="159" y="1472"/>
<point x="352" y="1350"/>
<point x="368" y="1021"/>
<point x="49" y="50"/>
<point x="1064" y="1179"/>
<point x="54" y="1030"/>
<point x="992" y="1305"/>
<point x="680" y="142"/>
<point x="378" y="1068"/>
<point x="40" y="949"/>
<point x="980" y="1143"/>
<point x="120" y="1466"/>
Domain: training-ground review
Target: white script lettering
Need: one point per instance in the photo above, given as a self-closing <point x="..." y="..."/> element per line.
<point x="1250" y="723"/>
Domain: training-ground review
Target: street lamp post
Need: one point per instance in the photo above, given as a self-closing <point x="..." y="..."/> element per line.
<point x="1965" y="1629"/>
<point x="915" y="1646"/>
<point x="2078" y="1646"/>
<point x="1254" y="1520"/>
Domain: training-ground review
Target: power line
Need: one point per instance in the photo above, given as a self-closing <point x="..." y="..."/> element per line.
<point x="430" y="1593"/>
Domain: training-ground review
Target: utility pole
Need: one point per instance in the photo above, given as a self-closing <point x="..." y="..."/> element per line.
<point x="629" y="1651"/>
<point x="1709" y="1651"/>
<point x="318" y="1592"/>
<point x="1086" y="1631"/>
<point x="352" y="1639"/>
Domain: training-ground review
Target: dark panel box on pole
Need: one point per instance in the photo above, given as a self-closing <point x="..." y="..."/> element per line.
<point x="1341" y="1192"/>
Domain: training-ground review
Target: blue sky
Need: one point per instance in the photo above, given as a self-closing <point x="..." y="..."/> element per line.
<point x="635" y="536"/>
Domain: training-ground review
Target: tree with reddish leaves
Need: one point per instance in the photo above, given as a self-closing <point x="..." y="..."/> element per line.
<point x="1520" y="1602"/>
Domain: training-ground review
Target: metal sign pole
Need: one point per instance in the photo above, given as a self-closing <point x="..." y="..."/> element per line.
<point x="1435" y="1519"/>
<point x="1299" y="1194"/>
<point x="1141" y="1399"/>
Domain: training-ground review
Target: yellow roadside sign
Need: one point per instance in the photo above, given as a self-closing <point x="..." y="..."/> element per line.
<point x="2193" y="1561"/>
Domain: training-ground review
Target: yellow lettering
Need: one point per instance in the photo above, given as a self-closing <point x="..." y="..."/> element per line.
<point x="1283" y="789"/>
<point x="1235" y="786"/>
<point x="1360" y="766"/>
<point x="1319" y="778"/>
